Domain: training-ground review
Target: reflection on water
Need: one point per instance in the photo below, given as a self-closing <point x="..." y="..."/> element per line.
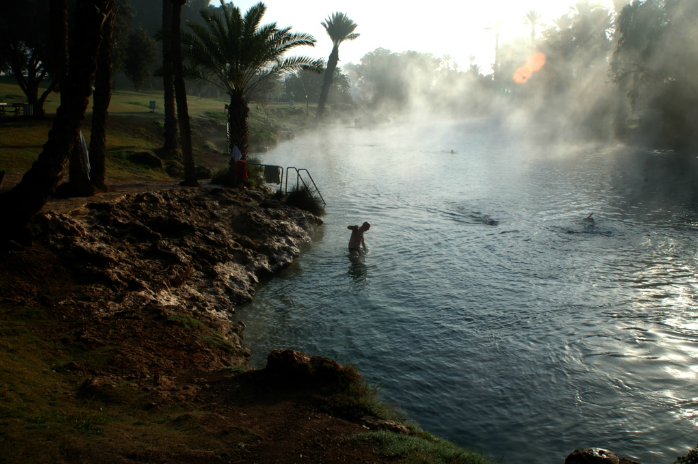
<point x="489" y="308"/>
<point x="357" y="272"/>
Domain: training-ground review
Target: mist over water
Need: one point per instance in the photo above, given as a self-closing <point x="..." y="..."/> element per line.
<point x="488" y="309"/>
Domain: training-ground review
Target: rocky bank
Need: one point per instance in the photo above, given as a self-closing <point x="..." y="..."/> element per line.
<point x="117" y="343"/>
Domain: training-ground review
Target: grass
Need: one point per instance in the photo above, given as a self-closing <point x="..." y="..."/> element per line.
<point x="210" y="337"/>
<point x="22" y="140"/>
<point x="303" y="198"/>
<point x="43" y="420"/>
<point x="423" y="448"/>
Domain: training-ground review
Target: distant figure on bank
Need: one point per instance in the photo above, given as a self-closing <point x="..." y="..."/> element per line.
<point x="589" y="219"/>
<point x="357" y="238"/>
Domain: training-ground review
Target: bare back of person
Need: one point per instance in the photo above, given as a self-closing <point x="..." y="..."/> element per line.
<point x="357" y="238"/>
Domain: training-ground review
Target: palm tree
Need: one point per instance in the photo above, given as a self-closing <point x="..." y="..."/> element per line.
<point x="171" y="132"/>
<point x="340" y="28"/>
<point x="101" y="100"/>
<point x="533" y="18"/>
<point x="236" y="54"/>
<point x="495" y="67"/>
<point x="181" y="96"/>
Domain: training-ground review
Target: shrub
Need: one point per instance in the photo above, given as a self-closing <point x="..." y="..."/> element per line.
<point x="302" y="197"/>
<point x="254" y="176"/>
<point x="174" y="168"/>
<point x="690" y="458"/>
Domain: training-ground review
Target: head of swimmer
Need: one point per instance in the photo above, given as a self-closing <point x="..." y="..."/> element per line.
<point x="365" y="226"/>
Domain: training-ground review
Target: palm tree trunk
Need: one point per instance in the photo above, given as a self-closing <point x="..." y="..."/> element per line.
<point x="238" y="114"/>
<point x="59" y="39"/>
<point x="171" y="134"/>
<point x="101" y="100"/>
<point x="327" y="80"/>
<point x="19" y="205"/>
<point x="181" y="96"/>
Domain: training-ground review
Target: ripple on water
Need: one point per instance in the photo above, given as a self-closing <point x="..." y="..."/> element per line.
<point x="528" y="337"/>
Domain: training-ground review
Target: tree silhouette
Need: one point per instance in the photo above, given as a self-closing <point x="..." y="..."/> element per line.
<point x="340" y="28"/>
<point x="532" y="18"/>
<point x="181" y="96"/>
<point x="19" y="205"/>
<point x="235" y="53"/>
<point x="171" y="131"/>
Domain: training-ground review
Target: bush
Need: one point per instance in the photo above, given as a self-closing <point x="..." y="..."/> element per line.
<point x="690" y="458"/>
<point x="301" y="197"/>
<point x="222" y="177"/>
<point x="254" y="179"/>
<point x="174" y="168"/>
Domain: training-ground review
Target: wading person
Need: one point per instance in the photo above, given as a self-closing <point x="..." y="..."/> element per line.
<point x="357" y="238"/>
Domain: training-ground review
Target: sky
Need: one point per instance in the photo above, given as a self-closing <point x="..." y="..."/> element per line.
<point x="458" y="28"/>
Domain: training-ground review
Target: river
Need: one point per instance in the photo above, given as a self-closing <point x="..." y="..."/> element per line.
<point x="487" y="308"/>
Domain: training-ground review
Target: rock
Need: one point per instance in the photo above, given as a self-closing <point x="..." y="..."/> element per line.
<point x="294" y="365"/>
<point x="628" y="461"/>
<point x="380" y="424"/>
<point x="147" y="158"/>
<point x="592" y="456"/>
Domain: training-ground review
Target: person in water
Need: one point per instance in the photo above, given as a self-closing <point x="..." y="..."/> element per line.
<point x="357" y="238"/>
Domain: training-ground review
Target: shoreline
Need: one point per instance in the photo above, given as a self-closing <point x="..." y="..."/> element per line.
<point x="117" y="329"/>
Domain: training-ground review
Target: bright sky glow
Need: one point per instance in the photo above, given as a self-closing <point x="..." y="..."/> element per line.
<point x="443" y="27"/>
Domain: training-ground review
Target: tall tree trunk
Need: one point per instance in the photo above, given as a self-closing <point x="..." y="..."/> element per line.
<point x="19" y="205"/>
<point x="327" y="80"/>
<point x="171" y="134"/>
<point x="238" y="114"/>
<point x="101" y="100"/>
<point x="59" y="40"/>
<point x="181" y="96"/>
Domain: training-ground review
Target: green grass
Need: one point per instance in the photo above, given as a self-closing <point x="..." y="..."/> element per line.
<point x="420" y="449"/>
<point x="41" y="415"/>
<point x="22" y="140"/>
<point x="210" y="336"/>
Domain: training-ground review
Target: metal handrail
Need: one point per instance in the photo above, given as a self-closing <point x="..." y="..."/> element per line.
<point x="300" y="178"/>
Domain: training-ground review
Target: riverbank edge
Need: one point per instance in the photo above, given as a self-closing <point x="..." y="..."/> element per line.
<point x="115" y="332"/>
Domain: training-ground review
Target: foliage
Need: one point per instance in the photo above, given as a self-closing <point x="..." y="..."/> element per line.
<point x="302" y="197"/>
<point x="222" y="176"/>
<point x="122" y="29"/>
<point x="236" y="53"/>
<point x="233" y="67"/>
<point x="690" y="458"/>
<point x="305" y="86"/>
<point x="25" y="48"/>
<point x="148" y="13"/>
<point x="340" y="28"/>
<point x="655" y="62"/>
<point x="423" y="449"/>
<point x="141" y="54"/>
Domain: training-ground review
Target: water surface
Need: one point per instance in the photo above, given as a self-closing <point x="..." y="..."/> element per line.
<point x="488" y="309"/>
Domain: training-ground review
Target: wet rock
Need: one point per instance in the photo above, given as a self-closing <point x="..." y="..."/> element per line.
<point x="592" y="456"/>
<point x="380" y="424"/>
<point x="294" y="365"/>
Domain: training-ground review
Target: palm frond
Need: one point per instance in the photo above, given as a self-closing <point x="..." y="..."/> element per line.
<point x="340" y="28"/>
